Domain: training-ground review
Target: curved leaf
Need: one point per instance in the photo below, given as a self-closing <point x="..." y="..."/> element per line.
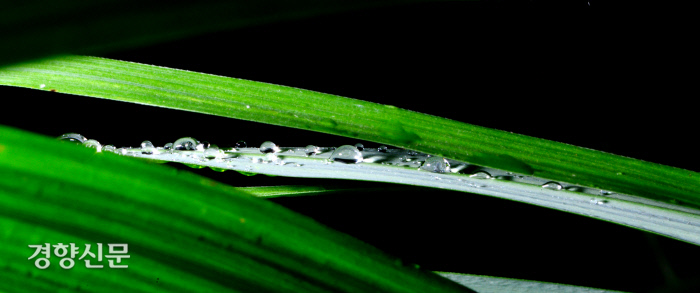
<point x="185" y="233"/>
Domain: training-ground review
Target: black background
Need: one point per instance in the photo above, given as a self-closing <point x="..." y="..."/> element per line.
<point x="554" y="71"/>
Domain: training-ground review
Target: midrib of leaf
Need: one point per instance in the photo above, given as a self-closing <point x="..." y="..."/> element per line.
<point x="298" y="108"/>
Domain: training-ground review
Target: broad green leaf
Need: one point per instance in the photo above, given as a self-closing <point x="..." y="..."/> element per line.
<point x="39" y="28"/>
<point x="488" y="284"/>
<point x="185" y="233"/>
<point x="298" y="108"/>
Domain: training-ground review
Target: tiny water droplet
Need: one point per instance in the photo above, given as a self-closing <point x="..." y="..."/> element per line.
<point x="596" y="201"/>
<point x="619" y="173"/>
<point x="382" y="149"/>
<point x="311" y="150"/>
<point x="359" y="146"/>
<point x="575" y="189"/>
<point x="73" y="137"/>
<point x="552" y="185"/>
<point x="604" y="192"/>
<point x="109" y="148"/>
<point x="412" y="153"/>
<point x="41" y="86"/>
<point x="436" y="164"/>
<point x="247" y="173"/>
<point x="269" y="147"/>
<point x="346" y="154"/>
<point x="247" y="106"/>
<point x="194" y="166"/>
<point x="480" y="175"/>
<point x="218" y="169"/>
<point x="241" y="144"/>
<point x="168" y="146"/>
<point x="213" y="152"/>
<point x="147" y="148"/>
<point x="185" y="144"/>
<point x="91" y="143"/>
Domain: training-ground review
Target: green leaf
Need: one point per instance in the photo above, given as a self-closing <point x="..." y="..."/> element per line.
<point x="298" y="108"/>
<point x="185" y="232"/>
<point x="663" y="218"/>
<point x="488" y="284"/>
<point x="39" y="28"/>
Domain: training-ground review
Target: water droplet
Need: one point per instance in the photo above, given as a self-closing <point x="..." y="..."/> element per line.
<point x="247" y="173"/>
<point x="604" y="192"/>
<point x="185" y="144"/>
<point x="596" y="201"/>
<point x="480" y="175"/>
<point x="247" y="106"/>
<point x="576" y="189"/>
<point x="412" y="153"/>
<point x="73" y="137"/>
<point x="552" y="185"/>
<point x="109" y="148"/>
<point x="194" y="166"/>
<point x="168" y="146"/>
<point x="346" y="154"/>
<point x="147" y="148"/>
<point x="41" y="86"/>
<point x="241" y="144"/>
<point x="311" y="150"/>
<point x="213" y="152"/>
<point x="436" y="164"/>
<point x="202" y="146"/>
<point x="218" y="169"/>
<point x="360" y="147"/>
<point x="382" y="149"/>
<point x="619" y="173"/>
<point x="272" y="158"/>
<point x="91" y="143"/>
<point x="269" y="147"/>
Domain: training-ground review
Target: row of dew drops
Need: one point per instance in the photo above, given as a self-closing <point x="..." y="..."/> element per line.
<point x="348" y="154"/>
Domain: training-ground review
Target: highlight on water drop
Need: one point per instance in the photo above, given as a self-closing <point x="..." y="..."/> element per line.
<point x="213" y="152"/>
<point x="359" y="146"/>
<point x="481" y="175"/>
<point x="185" y="144"/>
<point x="269" y="147"/>
<point x="72" y="137"/>
<point x="346" y="154"/>
<point x="311" y="150"/>
<point x="91" y="143"/>
<point x="552" y="185"/>
<point x="147" y="148"/>
<point x="436" y="164"/>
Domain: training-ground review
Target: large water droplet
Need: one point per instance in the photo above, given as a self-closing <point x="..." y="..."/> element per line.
<point x="269" y="147"/>
<point x="147" y="148"/>
<point x="552" y="185"/>
<point x="73" y="137"/>
<point x="91" y="143"/>
<point x="185" y="144"/>
<point x="213" y="152"/>
<point x="436" y="164"/>
<point x="311" y="150"/>
<point x="241" y="144"/>
<point x="480" y="175"/>
<point x="359" y="146"/>
<point x="346" y="154"/>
